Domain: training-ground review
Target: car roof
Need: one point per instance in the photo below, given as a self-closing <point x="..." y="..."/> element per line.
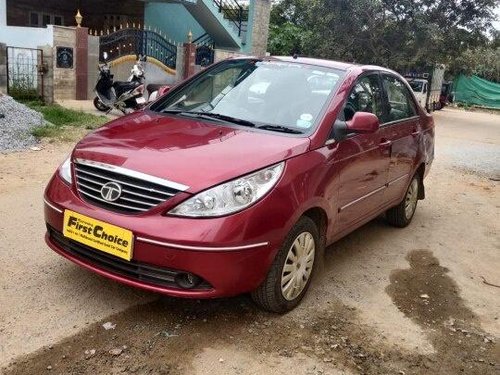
<point x="318" y="62"/>
<point x="323" y="63"/>
<point x="332" y="63"/>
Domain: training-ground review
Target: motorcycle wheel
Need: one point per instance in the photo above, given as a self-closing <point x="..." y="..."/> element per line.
<point x="100" y="106"/>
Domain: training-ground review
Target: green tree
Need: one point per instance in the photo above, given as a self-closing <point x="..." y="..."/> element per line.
<point x="483" y="62"/>
<point x="400" y="34"/>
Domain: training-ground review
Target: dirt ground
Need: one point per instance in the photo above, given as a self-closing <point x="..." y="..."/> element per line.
<point x="420" y="300"/>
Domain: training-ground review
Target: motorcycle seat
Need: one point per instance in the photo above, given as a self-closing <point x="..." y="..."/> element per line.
<point x="125" y="86"/>
<point x="152" y="87"/>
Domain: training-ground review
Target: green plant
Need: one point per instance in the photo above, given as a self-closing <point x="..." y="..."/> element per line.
<point x="23" y="82"/>
<point x="58" y="119"/>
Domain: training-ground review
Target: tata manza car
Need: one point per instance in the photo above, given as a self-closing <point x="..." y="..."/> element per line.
<point x="236" y="180"/>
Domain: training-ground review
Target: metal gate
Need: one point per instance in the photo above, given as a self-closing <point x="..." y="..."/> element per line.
<point x="25" y="71"/>
<point x="130" y="41"/>
<point x="204" y="50"/>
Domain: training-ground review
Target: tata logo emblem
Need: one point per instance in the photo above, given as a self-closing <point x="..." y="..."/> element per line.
<point x="111" y="191"/>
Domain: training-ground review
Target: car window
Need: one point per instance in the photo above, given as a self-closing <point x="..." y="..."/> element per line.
<point x="364" y="97"/>
<point x="400" y="104"/>
<point x="416" y="85"/>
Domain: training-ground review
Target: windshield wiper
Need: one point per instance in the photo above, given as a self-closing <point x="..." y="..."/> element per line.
<point x="218" y="116"/>
<point x="174" y="111"/>
<point x="280" y="128"/>
<point x="231" y="120"/>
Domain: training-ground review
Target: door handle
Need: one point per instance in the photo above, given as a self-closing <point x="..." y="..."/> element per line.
<point x="385" y="143"/>
<point x="415" y="132"/>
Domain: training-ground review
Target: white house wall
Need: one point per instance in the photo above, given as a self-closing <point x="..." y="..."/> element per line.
<point x="26" y="37"/>
<point x="3" y="13"/>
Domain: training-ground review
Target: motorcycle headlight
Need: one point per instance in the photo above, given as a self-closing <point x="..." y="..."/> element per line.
<point x="232" y="196"/>
<point x="65" y="170"/>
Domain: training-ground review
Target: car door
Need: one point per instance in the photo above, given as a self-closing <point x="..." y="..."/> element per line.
<point x="401" y="128"/>
<point x="361" y="160"/>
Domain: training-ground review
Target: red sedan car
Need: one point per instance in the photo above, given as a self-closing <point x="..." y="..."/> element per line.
<point x="237" y="179"/>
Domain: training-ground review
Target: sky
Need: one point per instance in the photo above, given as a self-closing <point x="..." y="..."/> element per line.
<point x="497" y="22"/>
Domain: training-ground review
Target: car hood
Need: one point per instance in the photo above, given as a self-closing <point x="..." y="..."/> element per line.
<point x="195" y="153"/>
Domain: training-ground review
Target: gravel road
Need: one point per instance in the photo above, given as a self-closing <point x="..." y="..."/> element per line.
<point x="387" y="300"/>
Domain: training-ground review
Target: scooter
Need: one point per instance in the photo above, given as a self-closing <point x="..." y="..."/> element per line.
<point x="120" y="95"/>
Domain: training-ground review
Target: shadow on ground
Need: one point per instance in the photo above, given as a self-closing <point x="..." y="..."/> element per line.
<point x="164" y="336"/>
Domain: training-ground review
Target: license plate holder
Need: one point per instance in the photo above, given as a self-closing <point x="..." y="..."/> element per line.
<point x="98" y="234"/>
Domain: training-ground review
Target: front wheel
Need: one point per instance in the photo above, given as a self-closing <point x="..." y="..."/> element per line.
<point x="401" y="215"/>
<point x="100" y="106"/>
<point x="291" y="272"/>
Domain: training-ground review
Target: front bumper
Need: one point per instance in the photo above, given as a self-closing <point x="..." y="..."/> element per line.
<point x="230" y="255"/>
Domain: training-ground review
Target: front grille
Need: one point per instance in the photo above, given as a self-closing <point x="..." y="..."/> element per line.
<point x="138" y="195"/>
<point x="158" y="276"/>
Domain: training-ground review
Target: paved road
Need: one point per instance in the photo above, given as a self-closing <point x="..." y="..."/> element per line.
<point x="363" y="314"/>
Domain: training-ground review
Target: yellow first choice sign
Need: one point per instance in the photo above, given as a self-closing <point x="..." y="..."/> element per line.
<point x="98" y="234"/>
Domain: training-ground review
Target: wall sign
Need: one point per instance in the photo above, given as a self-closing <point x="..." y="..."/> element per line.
<point x="64" y="57"/>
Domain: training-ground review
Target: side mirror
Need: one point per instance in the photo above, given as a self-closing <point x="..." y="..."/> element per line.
<point x="363" y="122"/>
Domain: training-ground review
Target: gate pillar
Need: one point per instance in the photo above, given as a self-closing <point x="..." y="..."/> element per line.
<point x="81" y="64"/>
<point x="3" y="68"/>
<point x="189" y="59"/>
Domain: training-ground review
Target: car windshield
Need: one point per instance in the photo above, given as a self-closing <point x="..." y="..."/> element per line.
<point x="274" y="95"/>
<point x="416" y="86"/>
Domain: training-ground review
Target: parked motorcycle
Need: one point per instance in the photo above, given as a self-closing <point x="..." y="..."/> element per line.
<point x="120" y="95"/>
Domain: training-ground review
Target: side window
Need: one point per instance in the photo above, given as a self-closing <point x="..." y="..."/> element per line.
<point x="400" y="104"/>
<point x="364" y="97"/>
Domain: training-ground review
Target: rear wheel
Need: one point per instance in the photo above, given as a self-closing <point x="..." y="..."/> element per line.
<point x="291" y="272"/>
<point x="100" y="106"/>
<point x="401" y="215"/>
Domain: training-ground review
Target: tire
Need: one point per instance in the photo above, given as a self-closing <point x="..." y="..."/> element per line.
<point x="100" y="106"/>
<point x="401" y="215"/>
<point x="270" y="295"/>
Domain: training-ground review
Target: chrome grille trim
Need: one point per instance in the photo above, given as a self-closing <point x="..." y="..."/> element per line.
<point x="124" y="198"/>
<point x="137" y="195"/>
<point x="112" y="203"/>
<point x="138" y="201"/>
<point x="124" y="190"/>
<point x="133" y="174"/>
<point x="121" y="182"/>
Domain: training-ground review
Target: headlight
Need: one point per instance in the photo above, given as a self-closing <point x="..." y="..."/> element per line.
<point x="65" y="170"/>
<point x="232" y="196"/>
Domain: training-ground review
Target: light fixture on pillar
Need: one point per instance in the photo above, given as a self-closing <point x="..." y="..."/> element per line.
<point x="190" y="37"/>
<point x="78" y="18"/>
